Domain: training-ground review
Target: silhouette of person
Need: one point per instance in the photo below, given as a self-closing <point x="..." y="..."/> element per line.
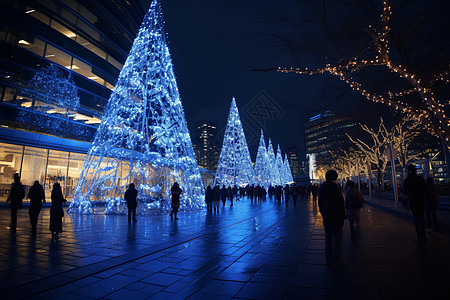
<point x="16" y="195"/>
<point x="36" y="195"/>
<point x="176" y="192"/>
<point x="130" y="197"/>
<point x="295" y="195"/>
<point x="56" y="211"/>
<point x="209" y="196"/>
<point x="353" y="202"/>
<point x="331" y="207"/>
<point x="415" y="188"/>
<point x="223" y="194"/>
<point x="216" y="198"/>
<point x="286" y="194"/>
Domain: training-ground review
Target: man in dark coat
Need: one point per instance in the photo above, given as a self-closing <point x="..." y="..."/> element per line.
<point x="415" y="188"/>
<point x="223" y="194"/>
<point x="332" y="209"/>
<point x="36" y="195"/>
<point x="176" y="192"/>
<point x="130" y="197"/>
<point x="16" y="196"/>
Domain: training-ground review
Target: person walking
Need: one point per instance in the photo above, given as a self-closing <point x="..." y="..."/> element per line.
<point x="286" y="194"/>
<point x="131" y="198"/>
<point x="216" y="198"/>
<point x="16" y="196"/>
<point x="176" y="192"/>
<point x="223" y="194"/>
<point x="295" y="195"/>
<point x="230" y="195"/>
<point x="56" y="211"/>
<point x="36" y="195"/>
<point x="209" y="198"/>
<point x="415" y="188"/>
<point x="353" y="203"/>
<point x="331" y="207"/>
<point x="432" y="203"/>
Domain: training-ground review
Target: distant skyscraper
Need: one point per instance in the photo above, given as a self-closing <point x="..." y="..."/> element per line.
<point x="293" y="160"/>
<point x="205" y="146"/>
<point x="324" y="133"/>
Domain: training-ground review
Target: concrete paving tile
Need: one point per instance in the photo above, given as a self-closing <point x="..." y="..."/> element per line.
<point x="162" y="279"/>
<point x="127" y="294"/>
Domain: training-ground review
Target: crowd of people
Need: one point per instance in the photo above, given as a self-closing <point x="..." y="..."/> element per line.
<point x="334" y="205"/>
<point x="257" y="193"/>
<point x="36" y="195"/>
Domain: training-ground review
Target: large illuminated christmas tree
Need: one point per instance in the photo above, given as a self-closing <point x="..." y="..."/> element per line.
<point x="235" y="165"/>
<point x="143" y="137"/>
<point x="274" y="174"/>
<point x="287" y="169"/>
<point x="262" y="168"/>
<point x="279" y="165"/>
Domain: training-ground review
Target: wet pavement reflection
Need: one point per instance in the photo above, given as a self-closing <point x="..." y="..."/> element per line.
<point x="251" y="251"/>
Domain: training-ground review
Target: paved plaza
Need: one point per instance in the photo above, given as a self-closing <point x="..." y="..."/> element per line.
<point x="248" y="251"/>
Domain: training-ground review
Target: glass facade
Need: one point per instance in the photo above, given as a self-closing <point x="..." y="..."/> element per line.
<point x="45" y="165"/>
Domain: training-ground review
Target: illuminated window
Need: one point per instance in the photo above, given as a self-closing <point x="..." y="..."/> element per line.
<point x="63" y="29"/>
<point x="37" y="15"/>
<point x="59" y="57"/>
<point x="37" y="46"/>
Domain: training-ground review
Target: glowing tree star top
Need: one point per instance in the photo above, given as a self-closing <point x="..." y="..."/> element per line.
<point x="235" y="165"/>
<point x="143" y="137"/>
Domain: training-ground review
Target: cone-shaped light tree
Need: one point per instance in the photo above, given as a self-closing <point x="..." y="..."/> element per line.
<point x="288" y="170"/>
<point x="143" y="137"/>
<point x="279" y="165"/>
<point x="262" y="164"/>
<point x="274" y="174"/>
<point x="235" y="165"/>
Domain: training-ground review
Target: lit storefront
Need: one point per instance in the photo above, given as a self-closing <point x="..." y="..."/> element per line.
<point x="45" y="165"/>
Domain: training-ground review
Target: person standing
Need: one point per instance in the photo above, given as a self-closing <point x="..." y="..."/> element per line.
<point x="432" y="203"/>
<point x="353" y="203"/>
<point x="131" y="198"/>
<point x="223" y="195"/>
<point x="286" y="194"/>
<point x="16" y="196"/>
<point x="176" y="192"/>
<point x="56" y="211"/>
<point x="216" y="198"/>
<point x="36" y="195"/>
<point x="331" y="207"/>
<point x="295" y="195"/>
<point x="415" y="188"/>
<point x="209" y="198"/>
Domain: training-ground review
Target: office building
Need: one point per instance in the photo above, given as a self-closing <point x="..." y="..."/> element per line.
<point x="293" y="158"/>
<point x="205" y="146"/>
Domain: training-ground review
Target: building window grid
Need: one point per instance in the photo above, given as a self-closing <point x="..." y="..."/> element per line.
<point x="80" y="40"/>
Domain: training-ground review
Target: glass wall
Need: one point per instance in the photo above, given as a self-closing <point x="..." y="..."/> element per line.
<point x="46" y="166"/>
<point x="34" y="166"/>
<point x="10" y="163"/>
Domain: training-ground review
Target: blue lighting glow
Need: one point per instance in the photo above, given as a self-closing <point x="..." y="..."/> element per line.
<point x="143" y="137"/>
<point x="235" y="165"/>
<point x="262" y="164"/>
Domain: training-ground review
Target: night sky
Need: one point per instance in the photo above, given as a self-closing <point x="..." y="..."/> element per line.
<point x="214" y="55"/>
<point x="216" y="45"/>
